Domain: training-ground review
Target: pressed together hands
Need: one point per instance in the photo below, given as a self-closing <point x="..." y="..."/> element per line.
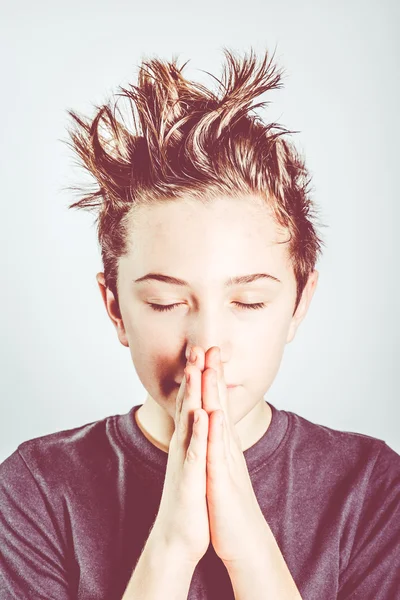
<point x="208" y="497"/>
<point x="208" y="494"/>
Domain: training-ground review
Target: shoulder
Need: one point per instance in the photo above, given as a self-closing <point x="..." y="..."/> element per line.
<point x="51" y="457"/>
<point x="340" y="451"/>
<point x="50" y="489"/>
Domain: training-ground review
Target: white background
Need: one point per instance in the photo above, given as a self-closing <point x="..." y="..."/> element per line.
<point x="61" y="362"/>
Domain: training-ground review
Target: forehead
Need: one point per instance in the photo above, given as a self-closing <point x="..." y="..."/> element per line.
<point x="225" y="237"/>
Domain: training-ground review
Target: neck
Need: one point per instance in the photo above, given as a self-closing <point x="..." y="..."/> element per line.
<point x="158" y="426"/>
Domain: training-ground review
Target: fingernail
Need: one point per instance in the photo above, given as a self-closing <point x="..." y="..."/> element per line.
<point x="193" y="356"/>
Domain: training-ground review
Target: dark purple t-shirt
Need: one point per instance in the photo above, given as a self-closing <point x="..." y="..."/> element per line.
<point x="77" y="507"/>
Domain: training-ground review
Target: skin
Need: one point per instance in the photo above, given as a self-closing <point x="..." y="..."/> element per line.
<point x="205" y="245"/>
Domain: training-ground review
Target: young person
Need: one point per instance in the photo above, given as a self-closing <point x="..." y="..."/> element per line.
<point x="209" y="249"/>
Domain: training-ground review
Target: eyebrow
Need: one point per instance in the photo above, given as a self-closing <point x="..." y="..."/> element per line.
<point x="238" y="280"/>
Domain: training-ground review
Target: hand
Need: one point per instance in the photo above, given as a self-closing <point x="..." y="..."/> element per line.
<point x="182" y="520"/>
<point x="237" y="524"/>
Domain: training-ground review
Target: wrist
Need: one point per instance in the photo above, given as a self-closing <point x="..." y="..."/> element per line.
<point x="163" y="545"/>
<point x="162" y="571"/>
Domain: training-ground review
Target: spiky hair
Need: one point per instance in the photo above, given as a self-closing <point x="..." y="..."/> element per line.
<point x="191" y="142"/>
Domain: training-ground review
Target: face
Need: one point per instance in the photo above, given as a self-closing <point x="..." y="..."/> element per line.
<point x="205" y="246"/>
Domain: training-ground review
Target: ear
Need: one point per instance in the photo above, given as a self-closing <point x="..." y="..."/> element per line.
<point x="304" y="303"/>
<point x="112" y="309"/>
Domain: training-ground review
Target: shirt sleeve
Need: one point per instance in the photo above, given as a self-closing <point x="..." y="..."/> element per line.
<point x="373" y="570"/>
<point x="32" y="563"/>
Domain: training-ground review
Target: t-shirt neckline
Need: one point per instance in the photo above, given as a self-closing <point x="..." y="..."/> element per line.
<point x="140" y="448"/>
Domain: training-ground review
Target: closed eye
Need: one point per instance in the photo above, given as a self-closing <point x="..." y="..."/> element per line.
<point x="163" y="308"/>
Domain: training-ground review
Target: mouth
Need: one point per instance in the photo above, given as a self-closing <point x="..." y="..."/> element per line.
<point x="229" y="386"/>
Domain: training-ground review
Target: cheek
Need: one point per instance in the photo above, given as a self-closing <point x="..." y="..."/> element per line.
<point x="151" y="359"/>
<point x="266" y="350"/>
<point x="265" y="363"/>
<point x="155" y="365"/>
<point x="150" y="343"/>
<point x="270" y="334"/>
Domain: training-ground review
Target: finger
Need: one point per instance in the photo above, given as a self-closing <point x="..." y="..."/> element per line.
<point x="196" y="454"/>
<point x="182" y="390"/>
<point x="199" y="357"/>
<point x="191" y="401"/>
<point x="216" y="450"/>
<point x="213" y="360"/>
<point x="179" y="398"/>
<point x="223" y="390"/>
<point x="209" y="391"/>
<point x="211" y="400"/>
<point x="193" y="360"/>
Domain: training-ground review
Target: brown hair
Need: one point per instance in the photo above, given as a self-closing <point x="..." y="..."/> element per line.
<point x="194" y="143"/>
